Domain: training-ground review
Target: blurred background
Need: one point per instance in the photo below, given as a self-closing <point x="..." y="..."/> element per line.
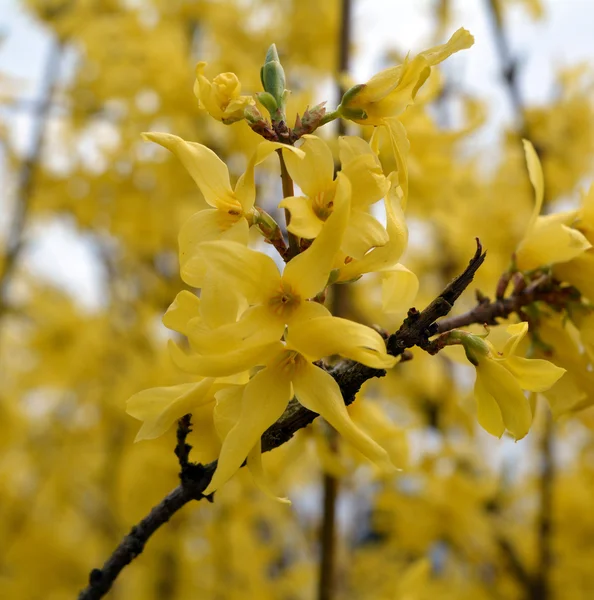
<point x="89" y="215"/>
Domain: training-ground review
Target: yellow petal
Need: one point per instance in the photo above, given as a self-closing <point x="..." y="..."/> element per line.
<point x="462" y="39"/>
<point x="227" y="409"/>
<point x="254" y="464"/>
<point x="183" y="309"/>
<point x="257" y="326"/>
<point x="307" y="310"/>
<point x="488" y="411"/>
<point x="204" y="226"/>
<point x="246" y="272"/>
<point x="400" y="148"/>
<point x="536" y="178"/>
<point x="363" y="233"/>
<point x="326" y="336"/>
<point x="314" y="172"/>
<point x="550" y="242"/>
<point x="264" y="400"/>
<point x="383" y="256"/>
<point x="304" y="221"/>
<point x="221" y="365"/>
<point x="502" y="385"/>
<point x="208" y="171"/>
<point x="308" y="272"/>
<point x="533" y="374"/>
<point x="399" y="289"/>
<point x="318" y="391"/>
<point x="159" y="408"/>
<point x="517" y="333"/>
<point x="361" y="165"/>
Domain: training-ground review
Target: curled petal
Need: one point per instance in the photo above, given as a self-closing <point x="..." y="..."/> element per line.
<point x="254" y="465"/>
<point x="533" y="374"/>
<point x="208" y="171"/>
<point x="304" y="221"/>
<point x="183" y="309"/>
<point x="314" y="172"/>
<point x="399" y="289"/>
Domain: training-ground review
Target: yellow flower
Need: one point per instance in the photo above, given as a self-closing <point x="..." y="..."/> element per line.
<point x="289" y="372"/>
<point x="548" y="239"/>
<point x="314" y="174"/>
<point x="500" y="379"/>
<point x="232" y="209"/>
<point x="221" y="97"/>
<point x="238" y="277"/>
<point x="390" y="92"/>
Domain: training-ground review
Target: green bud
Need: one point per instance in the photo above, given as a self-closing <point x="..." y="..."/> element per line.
<point x="351" y="113"/>
<point x="273" y="79"/>
<point x="268" y="101"/>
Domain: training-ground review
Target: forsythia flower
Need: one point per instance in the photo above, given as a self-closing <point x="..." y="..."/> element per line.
<point x="387" y="94"/>
<point x="232" y="210"/>
<point x="221" y="97"/>
<point x="548" y="239"/>
<point x="500" y="379"/>
<point x="314" y="174"/>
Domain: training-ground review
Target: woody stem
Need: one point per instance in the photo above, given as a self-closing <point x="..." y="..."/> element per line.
<point x="288" y="191"/>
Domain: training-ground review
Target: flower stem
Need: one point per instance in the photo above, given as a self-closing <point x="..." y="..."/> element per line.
<point x="288" y="191"/>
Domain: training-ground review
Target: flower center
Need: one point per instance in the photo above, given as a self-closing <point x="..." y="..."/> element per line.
<point x="284" y="301"/>
<point x="323" y="203"/>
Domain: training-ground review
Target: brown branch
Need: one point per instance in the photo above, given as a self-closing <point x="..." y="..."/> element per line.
<point x="487" y="312"/>
<point x="195" y="478"/>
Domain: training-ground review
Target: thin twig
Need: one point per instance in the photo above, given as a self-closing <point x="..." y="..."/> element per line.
<point x="28" y="170"/>
<point x="288" y="191"/>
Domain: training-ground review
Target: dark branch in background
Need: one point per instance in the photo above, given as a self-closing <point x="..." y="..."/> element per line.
<point x="27" y="174"/>
<point x="539" y="588"/>
<point x="350" y="376"/>
<point x="330" y="483"/>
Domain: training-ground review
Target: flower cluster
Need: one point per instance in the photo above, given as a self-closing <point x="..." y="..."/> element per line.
<point x="259" y="334"/>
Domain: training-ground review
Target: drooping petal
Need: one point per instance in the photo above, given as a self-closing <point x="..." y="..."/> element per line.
<point x="246" y="272"/>
<point x="385" y="256"/>
<point x="461" y="39"/>
<point x="364" y="172"/>
<point x="399" y="289"/>
<point x="502" y="385"/>
<point x="208" y="171"/>
<point x="159" y="408"/>
<point x="304" y="221"/>
<point x="205" y="226"/>
<point x="227" y="409"/>
<point x="533" y="374"/>
<point x="264" y="400"/>
<point x="401" y="149"/>
<point x="254" y="465"/>
<point x="326" y="336"/>
<point x="488" y="411"/>
<point x="183" y="309"/>
<point x="221" y="365"/>
<point x="314" y="172"/>
<point x="256" y="326"/>
<point x="318" y="391"/>
<point x="308" y="272"/>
